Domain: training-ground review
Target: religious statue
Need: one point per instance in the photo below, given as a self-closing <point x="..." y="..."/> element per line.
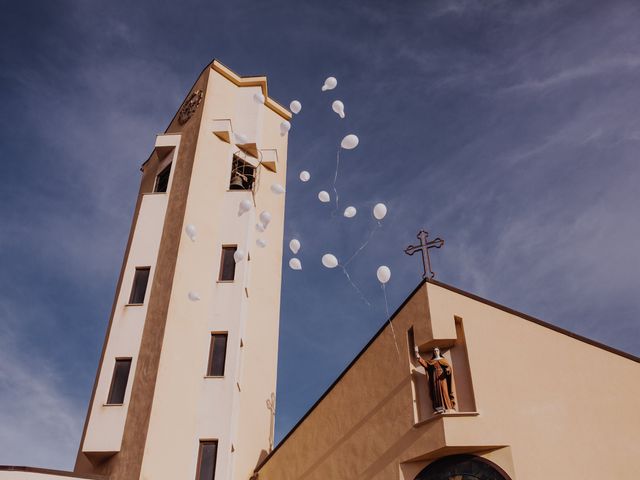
<point x="439" y="376"/>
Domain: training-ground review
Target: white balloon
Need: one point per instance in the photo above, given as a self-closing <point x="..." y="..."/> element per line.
<point x="379" y="211"/>
<point x="329" y="84"/>
<point x="294" y="245"/>
<point x="305" y="176"/>
<point x="240" y="138"/>
<point x="191" y="232"/>
<point x="260" y="227"/>
<point x="324" y="197"/>
<point x="329" y="260"/>
<point x="295" y="106"/>
<point x="193" y="296"/>
<point x="277" y="189"/>
<point x="238" y="255"/>
<point x="285" y="126"/>
<point x="259" y="97"/>
<point x="245" y="206"/>
<point x="261" y="243"/>
<point x="350" y="142"/>
<point x="383" y="274"/>
<point x="350" y="212"/>
<point x="295" y="264"/>
<point x="338" y="107"/>
<point x="265" y="218"/>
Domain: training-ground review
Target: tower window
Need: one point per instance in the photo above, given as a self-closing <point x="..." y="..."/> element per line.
<point x="243" y="175"/>
<point x="119" y="381"/>
<point x="228" y="264"/>
<point x="207" y="460"/>
<point x="139" y="287"/>
<point x="217" y="355"/>
<point x="162" y="180"/>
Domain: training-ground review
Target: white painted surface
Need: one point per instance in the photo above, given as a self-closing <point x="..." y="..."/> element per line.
<point x="106" y="424"/>
<point x="8" y="475"/>
<point x="188" y="407"/>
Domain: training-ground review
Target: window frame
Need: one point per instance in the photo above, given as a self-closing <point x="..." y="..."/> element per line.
<point x="113" y="381"/>
<point x="155" y="184"/>
<point x="201" y="444"/>
<point x="222" y="257"/>
<point x="209" y="372"/>
<point x="133" y="286"/>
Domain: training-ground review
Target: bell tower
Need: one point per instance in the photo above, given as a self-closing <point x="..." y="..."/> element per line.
<point x="188" y="368"/>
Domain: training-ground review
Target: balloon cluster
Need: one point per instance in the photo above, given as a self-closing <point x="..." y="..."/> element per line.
<point x="348" y="142"/>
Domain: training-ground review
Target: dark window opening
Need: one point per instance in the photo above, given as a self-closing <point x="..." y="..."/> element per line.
<point x="217" y="355"/>
<point x="119" y="381"/>
<point x="139" y="287"/>
<point x="162" y="180"/>
<point x="228" y="264"/>
<point x="207" y="460"/>
<point x="243" y="175"/>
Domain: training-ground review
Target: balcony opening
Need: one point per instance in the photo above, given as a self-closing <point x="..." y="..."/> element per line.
<point x="243" y="175"/>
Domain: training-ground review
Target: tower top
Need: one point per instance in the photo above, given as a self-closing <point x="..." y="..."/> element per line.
<point x="251" y="81"/>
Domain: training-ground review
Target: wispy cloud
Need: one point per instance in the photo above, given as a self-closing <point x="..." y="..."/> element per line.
<point x="571" y="74"/>
<point x="41" y="423"/>
<point x="509" y="129"/>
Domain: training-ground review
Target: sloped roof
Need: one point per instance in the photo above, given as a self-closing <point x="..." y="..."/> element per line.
<point x="472" y="296"/>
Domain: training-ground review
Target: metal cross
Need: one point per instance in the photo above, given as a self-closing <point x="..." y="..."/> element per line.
<point x="423" y="248"/>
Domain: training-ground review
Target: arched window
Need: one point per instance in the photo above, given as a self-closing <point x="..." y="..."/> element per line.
<point x="462" y="467"/>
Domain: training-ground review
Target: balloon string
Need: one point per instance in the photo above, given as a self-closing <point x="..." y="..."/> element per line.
<point x="335" y="177"/>
<point x="386" y="304"/>
<point x="357" y="252"/>
<point x="364" y="299"/>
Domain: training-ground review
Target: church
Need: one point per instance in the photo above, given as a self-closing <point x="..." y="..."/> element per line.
<point x="472" y="390"/>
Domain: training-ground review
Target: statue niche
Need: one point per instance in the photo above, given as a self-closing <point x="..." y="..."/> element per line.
<point x="440" y="379"/>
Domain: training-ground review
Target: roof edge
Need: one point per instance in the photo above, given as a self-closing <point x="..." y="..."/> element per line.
<point x="472" y="296"/>
<point x="252" y="81"/>
<point x="537" y="321"/>
<point x="240" y="81"/>
<point x="344" y="372"/>
<point x="48" y="471"/>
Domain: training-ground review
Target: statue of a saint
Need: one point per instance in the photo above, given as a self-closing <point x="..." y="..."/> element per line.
<point x="439" y="376"/>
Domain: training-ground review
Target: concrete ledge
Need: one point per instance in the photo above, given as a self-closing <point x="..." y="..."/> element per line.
<point x="16" y="472"/>
<point x="443" y="415"/>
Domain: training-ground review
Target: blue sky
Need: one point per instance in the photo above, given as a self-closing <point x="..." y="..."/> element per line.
<point x="511" y="129"/>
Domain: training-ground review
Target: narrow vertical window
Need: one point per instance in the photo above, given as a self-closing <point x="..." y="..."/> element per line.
<point x="217" y="355"/>
<point x="228" y="264"/>
<point x="207" y="460"/>
<point x="139" y="287"/>
<point x="162" y="180"/>
<point x="119" y="381"/>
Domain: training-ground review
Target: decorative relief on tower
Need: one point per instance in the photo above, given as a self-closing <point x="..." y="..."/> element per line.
<point x="190" y="106"/>
<point x="271" y="406"/>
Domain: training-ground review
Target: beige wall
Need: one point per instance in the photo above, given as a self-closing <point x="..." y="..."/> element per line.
<point x="188" y="407"/>
<point x="106" y="424"/>
<point x="548" y="405"/>
<point x="567" y="408"/>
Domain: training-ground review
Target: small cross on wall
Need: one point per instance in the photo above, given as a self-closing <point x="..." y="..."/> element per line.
<point x="423" y="248"/>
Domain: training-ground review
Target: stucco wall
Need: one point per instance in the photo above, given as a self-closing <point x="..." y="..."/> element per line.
<point x="548" y="405"/>
<point x="365" y="423"/>
<point x="187" y="406"/>
<point x="567" y="408"/>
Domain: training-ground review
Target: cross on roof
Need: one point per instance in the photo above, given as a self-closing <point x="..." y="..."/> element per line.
<point x="423" y="248"/>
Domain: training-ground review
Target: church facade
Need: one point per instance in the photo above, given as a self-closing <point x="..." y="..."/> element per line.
<point x="469" y="390"/>
<point x="531" y="401"/>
